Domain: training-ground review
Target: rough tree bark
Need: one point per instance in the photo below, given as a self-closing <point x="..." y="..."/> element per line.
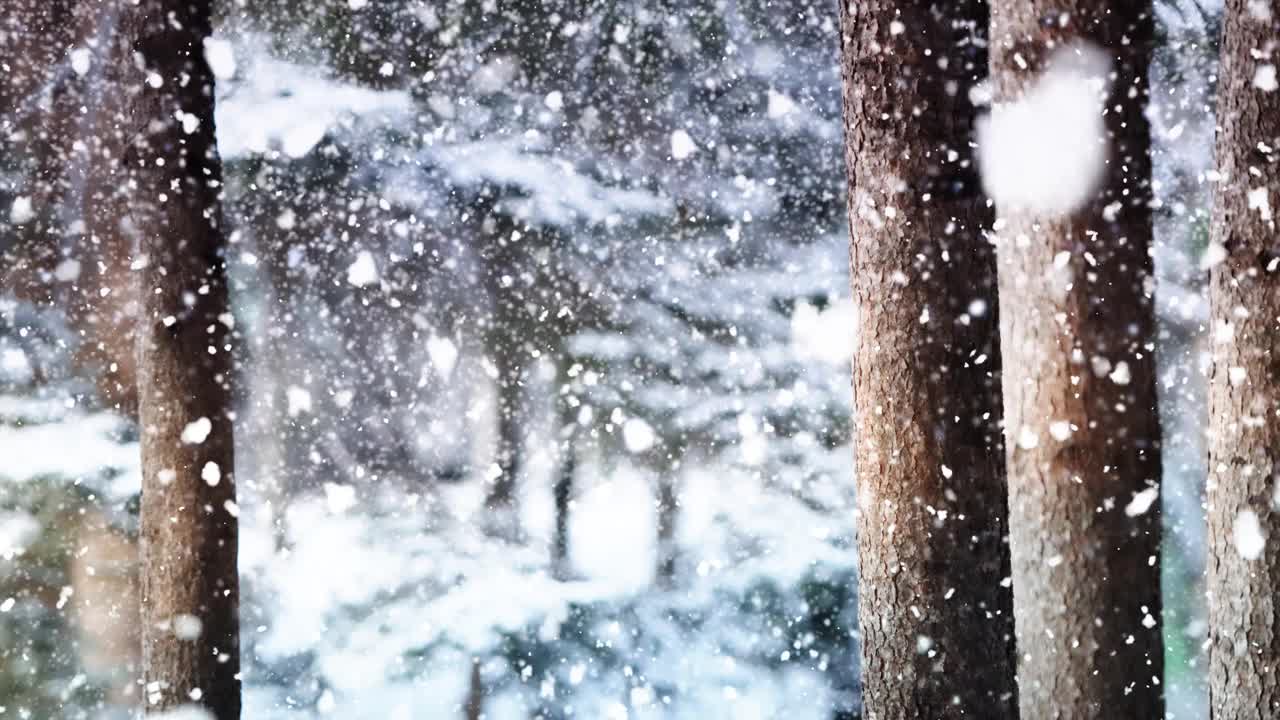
<point x="1082" y="431"/>
<point x="936" y="619"/>
<point x="1244" y="387"/>
<point x="165" y="163"/>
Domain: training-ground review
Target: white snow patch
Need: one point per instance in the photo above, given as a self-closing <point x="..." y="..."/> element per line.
<point x="197" y="431"/>
<point x="221" y="58"/>
<point x="1121" y="375"/>
<point x="682" y="146"/>
<point x="1237" y="376"/>
<point x="187" y="627"/>
<point x="287" y="220"/>
<point x="494" y="76"/>
<point x="444" y="355"/>
<point x="15" y="365"/>
<point x="67" y="270"/>
<point x="276" y="104"/>
<point x="622" y="548"/>
<point x="779" y="105"/>
<point x="81" y="60"/>
<point x="298" y="399"/>
<point x="1259" y="200"/>
<point x="556" y="192"/>
<point x="1214" y="254"/>
<point x="339" y="498"/>
<point x="298" y="140"/>
<point x="1249" y="537"/>
<point x="1141" y="502"/>
<point x="827" y="335"/>
<point x="1264" y="78"/>
<point x="364" y="271"/>
<point x="1100" y="365"/>
<point x="189" y="121"/>
<point x="1046" y="152"/>
<point x="36" y="450"/>
<point x="1060" y="430"/>
<point x="17" y="530"/>
<point x="21" y="212"/>
<point x="211" y="473"/>
<point x="637" y="435"/>
<point x="1027" y="438"/>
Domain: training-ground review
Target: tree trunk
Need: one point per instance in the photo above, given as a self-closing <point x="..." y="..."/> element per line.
<point x="563" y="489"/>
<point x="106" y="306"/>
<point x="38" y="110"/>
<point x="1083" y="437"/>
<point x="52" y="120"/>
<point x="171" y="174"/>
<point x="474" y="708"/>
<point x="936" y="621"/>
<point x="501" y="499"/>
<point x="1244" y="387"/>
<point x="668" y="515"/>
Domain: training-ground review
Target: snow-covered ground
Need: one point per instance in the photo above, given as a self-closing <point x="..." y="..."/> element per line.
<point x="378" y="601"/>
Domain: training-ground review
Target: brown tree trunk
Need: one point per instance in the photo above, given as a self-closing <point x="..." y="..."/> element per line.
<point x="1244" y="387"/>
<point x="169" y="170"/>
<point x="1082" y="432"/>
<point x="935" y="617"/>
<point x="54" y="121"/>
<point x="474" y="708"/>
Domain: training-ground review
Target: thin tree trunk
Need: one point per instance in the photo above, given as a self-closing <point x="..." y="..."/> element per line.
<point x="668" y="515"/>
<point x="171" y="174"/>
<point x="1083" y="437"/>
<point x="1244" y="388"/>
<point x="935" y="617"/>
<point x="501" y="499"/>
<point x="563" y="488"/>
<point x="474" y="709"/>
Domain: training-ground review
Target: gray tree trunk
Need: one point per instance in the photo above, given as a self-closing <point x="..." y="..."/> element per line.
<point x="1083" y="435"/>
<point x="668" y="518"/>
<point x="501" y="501"/>
<point x="935" y="616"/>
<point x="1244" y="387"/>
<point x="562" y="491"/>
<point x="170" y="174"/>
